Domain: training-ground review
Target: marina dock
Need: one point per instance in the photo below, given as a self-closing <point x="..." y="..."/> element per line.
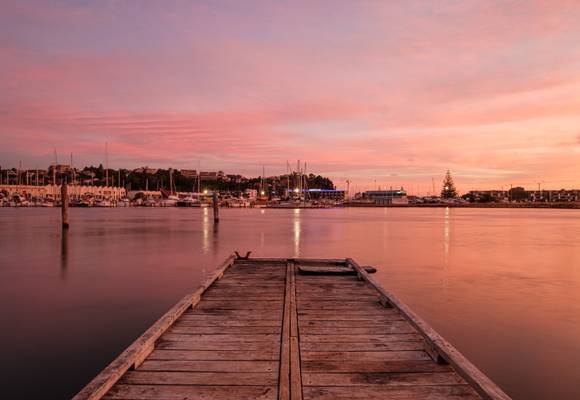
<point x="291" y="329"/>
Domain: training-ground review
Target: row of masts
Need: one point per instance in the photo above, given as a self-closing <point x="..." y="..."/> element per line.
<point x="296" y="187"/>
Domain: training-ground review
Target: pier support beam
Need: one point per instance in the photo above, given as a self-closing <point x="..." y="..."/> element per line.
<point x="64" y="204"/>
<point x="216" y="209"/>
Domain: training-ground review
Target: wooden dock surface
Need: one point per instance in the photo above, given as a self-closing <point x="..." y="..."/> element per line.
<point x="260" y="329"/>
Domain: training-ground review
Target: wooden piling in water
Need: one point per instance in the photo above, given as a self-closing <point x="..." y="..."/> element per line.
<point x="216" y="212"/>
<point x="64" y="204"/>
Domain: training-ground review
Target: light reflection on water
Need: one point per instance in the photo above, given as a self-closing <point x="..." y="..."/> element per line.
<point x="296" y="229"/>
<point x="502" y="285"/>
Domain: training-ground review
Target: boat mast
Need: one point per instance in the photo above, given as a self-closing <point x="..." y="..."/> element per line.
<point x="54" y="168"/>
<point x="72" y="170"/>
<point x="288" y="176"/>
<point x="262" y="191"/>
<point x="305" y="183"/>
<point x="298" y="180"/>
<point x="106" y="164"/>
<point x="199" y="177"/>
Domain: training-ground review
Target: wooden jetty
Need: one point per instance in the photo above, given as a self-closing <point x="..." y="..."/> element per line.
<point x="291" y="329"/>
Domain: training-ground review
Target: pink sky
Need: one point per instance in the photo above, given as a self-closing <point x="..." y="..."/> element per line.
<point x="392" y="92"/>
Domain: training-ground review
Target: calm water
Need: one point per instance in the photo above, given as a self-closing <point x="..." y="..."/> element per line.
<point x="502" y="285"/>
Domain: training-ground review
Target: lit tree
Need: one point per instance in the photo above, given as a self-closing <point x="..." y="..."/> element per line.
<point x="448" y="191"/>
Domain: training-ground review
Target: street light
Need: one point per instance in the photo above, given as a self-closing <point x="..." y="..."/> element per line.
<point x="296" y="190"/>
<point x="205" y="191"/>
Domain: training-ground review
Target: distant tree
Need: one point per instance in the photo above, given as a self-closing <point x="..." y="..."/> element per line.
<point x="448" y="191"/>
<point x="518" y="194"/>
<point x="485" y="198"/>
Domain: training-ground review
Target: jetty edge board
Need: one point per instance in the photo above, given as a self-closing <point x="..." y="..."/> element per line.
<point x="260" y="328"/>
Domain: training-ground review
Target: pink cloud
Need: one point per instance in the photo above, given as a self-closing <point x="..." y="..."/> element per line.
<point x="377" y="91"/>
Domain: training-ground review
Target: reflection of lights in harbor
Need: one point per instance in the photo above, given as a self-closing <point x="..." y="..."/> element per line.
<point x="446" y="224"/>
<point x="205" y="230"/>
<point x="262" y="211"/>
<point x="297" y="231"/>
<point x="446" y="233"/>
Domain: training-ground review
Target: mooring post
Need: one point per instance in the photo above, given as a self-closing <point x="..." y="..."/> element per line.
<point x="216" y="210"/>
<point x="64" y="203"/>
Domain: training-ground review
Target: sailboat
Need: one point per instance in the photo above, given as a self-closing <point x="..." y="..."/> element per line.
<point x="170" y="199"/>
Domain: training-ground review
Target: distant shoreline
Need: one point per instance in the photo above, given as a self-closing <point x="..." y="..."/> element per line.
<point x="568" y="206"/>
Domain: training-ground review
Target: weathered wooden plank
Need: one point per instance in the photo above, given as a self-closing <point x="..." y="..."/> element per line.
<point x="360" y="307"/>
<point x="371" y="323"/>
<point x="295" y="370"/>
<point x="263" y="272"/>
<point x="416" y="355"/>
<point x="362" y="346"/>
<point x="383" y="379"/>
<point x="453" y="392"/>
<point x="477" y="379"/>
<point x="391" y="327"/>
<point x="244" y="297"/>
<point x="187" y="342"/>
<point x="250" y="285"/>
<point x="374" y="366"/>
<point x="325" y="261"/>
<point x="360" y="338"/>
<point x="197" y="320"/>
<point x="345" y="315"/>
<point x="341" y="295"/>
<point x="325" y="269"/>
<point x="137" y="351"/>
<point x="235" y="355"/>
<point x="181" y="392"/>
<point x="200" y="378"/>
<point x="227" y="338"/>
<point x="209" y="366"/>
<point x="293" y="302"/>
<point x="284" y="379"/>
<point x="238" y="314"/>
<point x="338" y="295"/>
<point x="223" y="330"/>
<point x="249" y="281"/>
<point x="239" y="305"/>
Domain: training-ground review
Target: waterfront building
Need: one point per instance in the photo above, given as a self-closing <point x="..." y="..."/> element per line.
<point x="534" y="196"/>
<point x="207" y="176"/>
<point x="384" y="197"/>
<point x="146" y="170"/>
<point x="188" y="173"/>
<point x="74" y="191"/>
<point x="330" y="194"/>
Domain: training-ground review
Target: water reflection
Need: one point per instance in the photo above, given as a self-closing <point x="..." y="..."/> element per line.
<point x="446" y="224"/>
<point x="205" y="230"/>
<point x="63" y="253"/>
<point x="126" y="267"/>
<point x="215" y="242"/>
<point x="296" y="221"/>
